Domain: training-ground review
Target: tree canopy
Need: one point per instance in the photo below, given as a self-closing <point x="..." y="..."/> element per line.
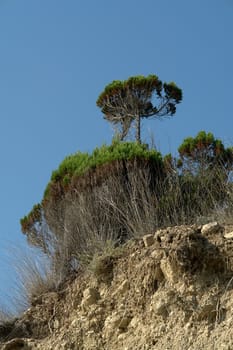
<point x="205" y="151"/>
<point x="124" y="103"/>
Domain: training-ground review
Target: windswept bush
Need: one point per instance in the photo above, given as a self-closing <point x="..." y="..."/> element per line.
<point x="86" y="201"/>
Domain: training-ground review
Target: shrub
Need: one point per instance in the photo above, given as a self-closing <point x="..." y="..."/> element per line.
<point x="79" y="164"/>
<point x="122" y="191"/>
<point x="85" y="203"/>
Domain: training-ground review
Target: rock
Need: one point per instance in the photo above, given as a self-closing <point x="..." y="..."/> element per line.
<point x="123" y="322"/>
<point x="148" y="240"/>
<point x="121" y="336"/>
<point x="93" y="322"/>
<point x="158" y="274"/>
<point x="169" y="271"/>
<point x="90" y="292"/>
<point x="160" y="308"/>
<point x="162" y="328"/>
<point x="16" y="344"/>
<point x="157" y="254"/>
<point x="56" y="324"/>
<point x="122" y="288"/>
<point x="228" y="235"/>
<point x="134" y="322"/>
<point x="211" y="227"/>
<point x="161" y="305"/>
<point x="117" y="321"/>
<point x="75" y="323"/>
<point x="90" y="297"/>
<point x="207" y="308"/>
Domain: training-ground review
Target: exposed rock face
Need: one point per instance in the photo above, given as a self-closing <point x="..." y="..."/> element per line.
<point x="172" y="289"/>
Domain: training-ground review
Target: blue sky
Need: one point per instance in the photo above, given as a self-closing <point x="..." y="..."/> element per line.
<point x="57" y="56"/>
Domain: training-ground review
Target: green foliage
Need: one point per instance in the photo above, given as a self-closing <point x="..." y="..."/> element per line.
<point x="128" y="101"/>
<point x="80" y="163"/>
<point x="205" y="151"/>
<point x="172" y="92"/>
<point x="140" y="87"/>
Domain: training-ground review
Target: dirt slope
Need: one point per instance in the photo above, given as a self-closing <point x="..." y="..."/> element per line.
<point x="170" y="290"/>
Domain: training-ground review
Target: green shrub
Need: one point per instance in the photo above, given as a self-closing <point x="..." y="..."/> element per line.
<point x="79" y="163"/>
<point x="76" y="185"/>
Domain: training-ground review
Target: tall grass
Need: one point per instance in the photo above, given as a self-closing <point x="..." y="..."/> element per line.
<point x="33" y="277"/>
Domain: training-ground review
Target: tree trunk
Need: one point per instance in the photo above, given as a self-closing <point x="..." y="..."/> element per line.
<point x="138" y="128"/>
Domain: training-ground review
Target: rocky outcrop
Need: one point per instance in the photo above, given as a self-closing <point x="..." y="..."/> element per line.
<point x="172" y="289"/>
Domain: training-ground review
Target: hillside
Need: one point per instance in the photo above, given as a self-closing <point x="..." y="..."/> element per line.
<point x="172" y="289"/>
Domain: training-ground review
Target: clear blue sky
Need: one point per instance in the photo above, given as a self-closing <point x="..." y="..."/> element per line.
<point x="57" y="56"/>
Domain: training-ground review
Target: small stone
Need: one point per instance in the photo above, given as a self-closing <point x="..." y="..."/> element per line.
<point x="188" y="326"/>
<point x="157" y="254"/>
<point x="91" y="292"/>
<point x="121" y="336"/>
<point x="117" y="321"/>
<point x="208" y="308"/>
<point x="161" y="305"/>
<point x="124" y="322"/>
<point x="162" y="328"/>
<point x="160" y="308"/>
<point x="211" y="227"/>
<point x="90" y="297"/>
<point x="56" y="324"/>
<point x="148" y="240"/>
<point x="134" y="322"/>
<point x="16" y="343"/>
<point x="75" y="323"/>
<point x="122" y="288"/>
<point x="169" y="271"/>
<point x="93" y="322"/>
<point x="228" y="235"/>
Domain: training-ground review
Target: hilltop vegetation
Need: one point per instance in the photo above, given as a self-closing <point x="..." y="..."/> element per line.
<point x="125" y="189"/>
<point x="122" y="191"/>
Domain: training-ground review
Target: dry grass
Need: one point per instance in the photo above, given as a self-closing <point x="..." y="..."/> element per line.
<point x="34" y="277"/>
<point x="113" y="212"/>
